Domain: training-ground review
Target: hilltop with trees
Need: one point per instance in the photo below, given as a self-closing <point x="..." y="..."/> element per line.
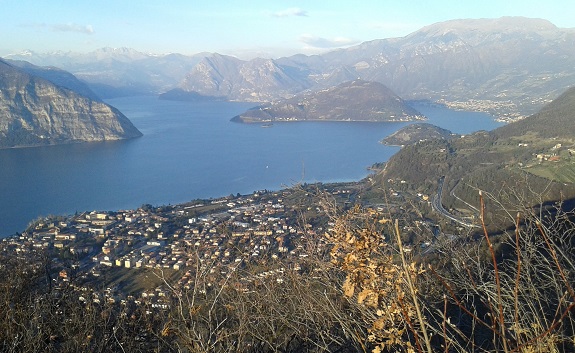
<point x="532" y="157"/>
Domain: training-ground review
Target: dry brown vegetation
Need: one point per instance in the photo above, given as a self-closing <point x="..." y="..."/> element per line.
<point x="516" y="298"/>
<point x="362" y="294"/>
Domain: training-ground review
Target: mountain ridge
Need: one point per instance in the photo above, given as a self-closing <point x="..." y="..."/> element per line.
<point x="57" y="76"/>
<point x="508" y="73"/>
<point x="116" y="72"/>
<point x="509" y="67"/>
<point x="254" y="80"/>
<point x="35" y="111"/>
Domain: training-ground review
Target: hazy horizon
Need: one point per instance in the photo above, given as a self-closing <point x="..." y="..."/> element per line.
<point x="245" y="30"/>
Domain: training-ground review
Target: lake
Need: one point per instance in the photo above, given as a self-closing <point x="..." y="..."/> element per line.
<point x="191" y="150"/>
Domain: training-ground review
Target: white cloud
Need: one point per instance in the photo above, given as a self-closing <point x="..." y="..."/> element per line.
<point x="319" y="42"/>
<point x="64" y="27"/>
<point x="72" y="27"/>
<point x="292" y="11"/>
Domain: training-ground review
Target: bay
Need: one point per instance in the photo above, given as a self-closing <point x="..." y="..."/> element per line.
<point x="192" y="150"/>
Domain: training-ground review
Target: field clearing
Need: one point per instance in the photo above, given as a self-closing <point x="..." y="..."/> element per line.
<point x="562" y="171"/>
<point x="132" y="280"/>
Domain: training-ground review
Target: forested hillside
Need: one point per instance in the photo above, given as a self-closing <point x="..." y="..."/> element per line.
<point x="531" y="159"/>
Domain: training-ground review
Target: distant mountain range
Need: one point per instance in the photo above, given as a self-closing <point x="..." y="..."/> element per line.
<point x="39" y="106"/>
<point x="508" y="66"/>
<point x="356" y="100"/>
<point x="113" y="72"/>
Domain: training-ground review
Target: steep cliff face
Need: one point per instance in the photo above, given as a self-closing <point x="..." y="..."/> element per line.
<point x="57" y="76"/>
<point x="34" y="111"/>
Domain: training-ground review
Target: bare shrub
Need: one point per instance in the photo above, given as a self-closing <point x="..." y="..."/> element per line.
<point x="35" y="317"/>
<point x="518" y="298"/>
<point x="246" y="311"/>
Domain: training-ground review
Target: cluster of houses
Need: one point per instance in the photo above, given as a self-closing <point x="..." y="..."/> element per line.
<point x="552" y="155"/>
<point x="504" y="110"/>
<point x="240" y="241"/>
<point x="214" y="237"/>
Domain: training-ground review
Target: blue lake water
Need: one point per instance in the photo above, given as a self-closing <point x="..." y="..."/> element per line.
<point x="192" y="150"/>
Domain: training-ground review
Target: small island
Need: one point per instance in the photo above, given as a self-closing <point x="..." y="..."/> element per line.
<point x="415" y="133"/>
<point x="356" y="100"/>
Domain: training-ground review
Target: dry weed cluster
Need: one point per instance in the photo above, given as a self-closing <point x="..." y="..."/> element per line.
<point x="516" y="298"/>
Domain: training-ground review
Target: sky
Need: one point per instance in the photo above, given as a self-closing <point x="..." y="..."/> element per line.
<point x="245" y="29"/>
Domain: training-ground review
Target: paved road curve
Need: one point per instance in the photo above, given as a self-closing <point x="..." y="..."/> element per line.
<point x="438" y="206"/>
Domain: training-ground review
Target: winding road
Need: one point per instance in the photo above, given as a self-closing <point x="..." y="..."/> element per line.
<point x="438" y="206"/>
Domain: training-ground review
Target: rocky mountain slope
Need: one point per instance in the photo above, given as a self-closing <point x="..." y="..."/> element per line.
<point x="351" y="101"/>
<point x="34" y="111"/>
<point x="508" y="66"/>
<point x="256" y="80"/>
<point x="517" y="61"/>
<point x="57" y="76"/>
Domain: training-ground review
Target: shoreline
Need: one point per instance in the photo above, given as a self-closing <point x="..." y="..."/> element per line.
<point x="240" y="121"/>
<point x="211" y="200"/>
